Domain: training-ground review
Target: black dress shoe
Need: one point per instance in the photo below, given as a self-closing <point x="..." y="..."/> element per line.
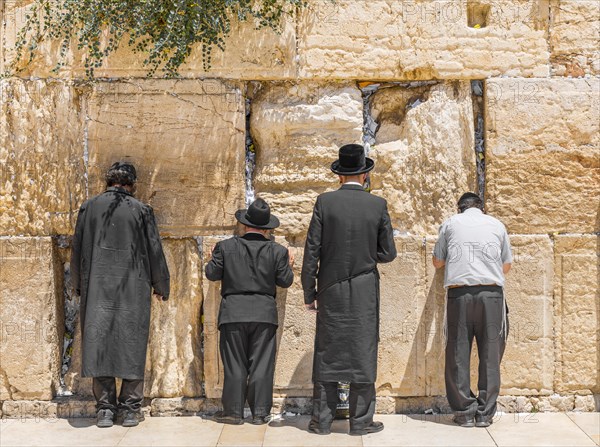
<point x="223" y="418"/>
<point x="482" y="421"/>
<point x="105" y="418"/>
<point x="464" y="421"/>
<point x="373" y="427"/>
<point x="259" y="420"/>
<point x="314" y="428"/>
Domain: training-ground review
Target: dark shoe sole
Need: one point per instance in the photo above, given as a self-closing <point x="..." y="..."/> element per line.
<point x="104" y="424"/>
<point x="131" y="423"/>
<point x="229" y="421"/>
<point x="258" y="421"/>
<point x="365" y="431"/>
<point x="319" y="431"/>
<point x="482" y="424"/>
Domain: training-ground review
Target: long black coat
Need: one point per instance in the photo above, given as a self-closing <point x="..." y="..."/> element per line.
<point x="117" y="259"/>
<point x="350" y="232"/>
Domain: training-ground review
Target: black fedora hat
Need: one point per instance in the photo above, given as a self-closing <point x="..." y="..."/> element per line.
<point x="352" y="161"/>
<point x="258" y="215"/>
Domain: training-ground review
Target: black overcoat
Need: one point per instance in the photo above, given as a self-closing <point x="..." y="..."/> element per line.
<point x="350" y="232"/>
<point x="117" y="260"/>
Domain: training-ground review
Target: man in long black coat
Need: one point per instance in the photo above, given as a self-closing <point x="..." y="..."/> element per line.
<point x="250" y="268"/>
<point x="350" y="232"/>
<point x="117" y="260"/>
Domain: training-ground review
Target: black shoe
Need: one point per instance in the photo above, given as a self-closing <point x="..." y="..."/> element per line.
<point x="314" y="428"/>
<point x="482" y="421"/>
<point x="223" y="418"/>
<point x="105" y="418"/>
<point x="464" y="421"/>
<point x="132" y="418"/>
<point x="373" y="427"/>
<point x="259" y="420"/>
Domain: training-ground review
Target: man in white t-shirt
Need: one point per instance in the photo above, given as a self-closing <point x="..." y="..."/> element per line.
<point x="476" y="253"/>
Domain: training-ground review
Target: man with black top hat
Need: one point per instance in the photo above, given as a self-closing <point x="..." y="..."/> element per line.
<point x="250" y="268"/>
<point x="349" y="234"/>
<point x="116" y="262"/>
<point x="476" y="253"/>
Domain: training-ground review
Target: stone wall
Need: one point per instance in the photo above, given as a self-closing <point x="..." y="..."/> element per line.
<point x="334" y="75"/>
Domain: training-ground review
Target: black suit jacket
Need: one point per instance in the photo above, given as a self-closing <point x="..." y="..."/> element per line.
<point x="250" y="268"/>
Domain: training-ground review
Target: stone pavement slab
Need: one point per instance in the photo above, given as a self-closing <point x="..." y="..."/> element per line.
<point x="173" y="431"/>
<point x="294" y="432"/>
<point x="538" y="429"/>
<point x="589" y="423"/>
<point x="60" y="432"/>
<point x="426" y="430"/>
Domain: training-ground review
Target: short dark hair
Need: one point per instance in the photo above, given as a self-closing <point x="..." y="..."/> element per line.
<point x="121" y="173"/>
<point x="469" y="200"/>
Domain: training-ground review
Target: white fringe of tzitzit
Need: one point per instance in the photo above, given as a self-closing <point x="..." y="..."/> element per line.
<point x="445" y="327"/>
<point x="504" y="327"/>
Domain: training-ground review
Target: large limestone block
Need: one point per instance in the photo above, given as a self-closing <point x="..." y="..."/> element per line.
<point x="29" y="320"/>
<point x="575" y="37"/>
<point x="424" y="152"/>
<point x="174" y="359"/>
<point x="542" y="146"/>
<point x="187" y="140"/>
<point x="417" y="40"/>
<point x="297" y="131"/>
<point x="528" y="364"/>
<point x="404" y="325"/>
<point x="295" y="339"/>
<point x="577" y="273"/>
<point x="250" y="53"/>
<point x="41" y="157"/>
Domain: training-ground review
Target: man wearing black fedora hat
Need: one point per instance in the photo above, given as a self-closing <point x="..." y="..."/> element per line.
<point x="350" y="233"/>
<point x="117" y="260"/>
<point x="250" y="268"/>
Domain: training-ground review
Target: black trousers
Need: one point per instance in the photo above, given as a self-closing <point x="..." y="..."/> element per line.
<point x="130" y="397"/>
<point x="474" y="312"/>
<point x="248" y="355"/>
<point x="362" y="404"/>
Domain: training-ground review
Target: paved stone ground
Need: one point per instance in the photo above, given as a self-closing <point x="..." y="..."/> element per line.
<point x="541" y="429"/>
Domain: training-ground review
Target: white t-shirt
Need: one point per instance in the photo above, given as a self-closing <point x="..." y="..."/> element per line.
<point x="474" y="246"/>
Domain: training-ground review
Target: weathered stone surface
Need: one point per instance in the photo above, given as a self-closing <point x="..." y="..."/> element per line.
<point x="179" y="406"/>
<point x="213" y="367"/>
<point x="574" y="37"/>
<point x="174" y="358"/>
<point x="528" y="364"/>
<point x="41" y="157"/>
<point x="404" y="322"/>
<point x="416" y="40"/>
<point x="577" y="292"/>
<point x="424" y="153"/>
<point x="29" y="320"/>
<point x="187" y="140"/>
<point x="297" y="131"/>
<point x="542" y="142"/>
<point x="295" y="339"/>
<point x="74" y="382"/>
<point x="250" y="53"/>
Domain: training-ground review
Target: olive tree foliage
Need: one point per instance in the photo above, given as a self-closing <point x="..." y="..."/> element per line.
<point x="164" y="31"/>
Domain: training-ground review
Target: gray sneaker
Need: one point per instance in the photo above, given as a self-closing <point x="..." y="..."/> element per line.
<point x="132" y="418"/>
<point x="105" y="418"/>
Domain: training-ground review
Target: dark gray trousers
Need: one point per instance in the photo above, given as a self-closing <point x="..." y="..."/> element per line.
<point x="362" y="404"/>
<point x="474" y="312"/>
<point x="130" y="397"/>
<point x="248" y="355"/>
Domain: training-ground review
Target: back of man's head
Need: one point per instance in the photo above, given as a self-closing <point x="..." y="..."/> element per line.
<point x="121" y="173"/>
<point x="469" y="200"/>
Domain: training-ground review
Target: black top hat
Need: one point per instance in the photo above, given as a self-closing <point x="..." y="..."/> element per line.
<point x="352" y="161"/>
<point x="258" y="215"/>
